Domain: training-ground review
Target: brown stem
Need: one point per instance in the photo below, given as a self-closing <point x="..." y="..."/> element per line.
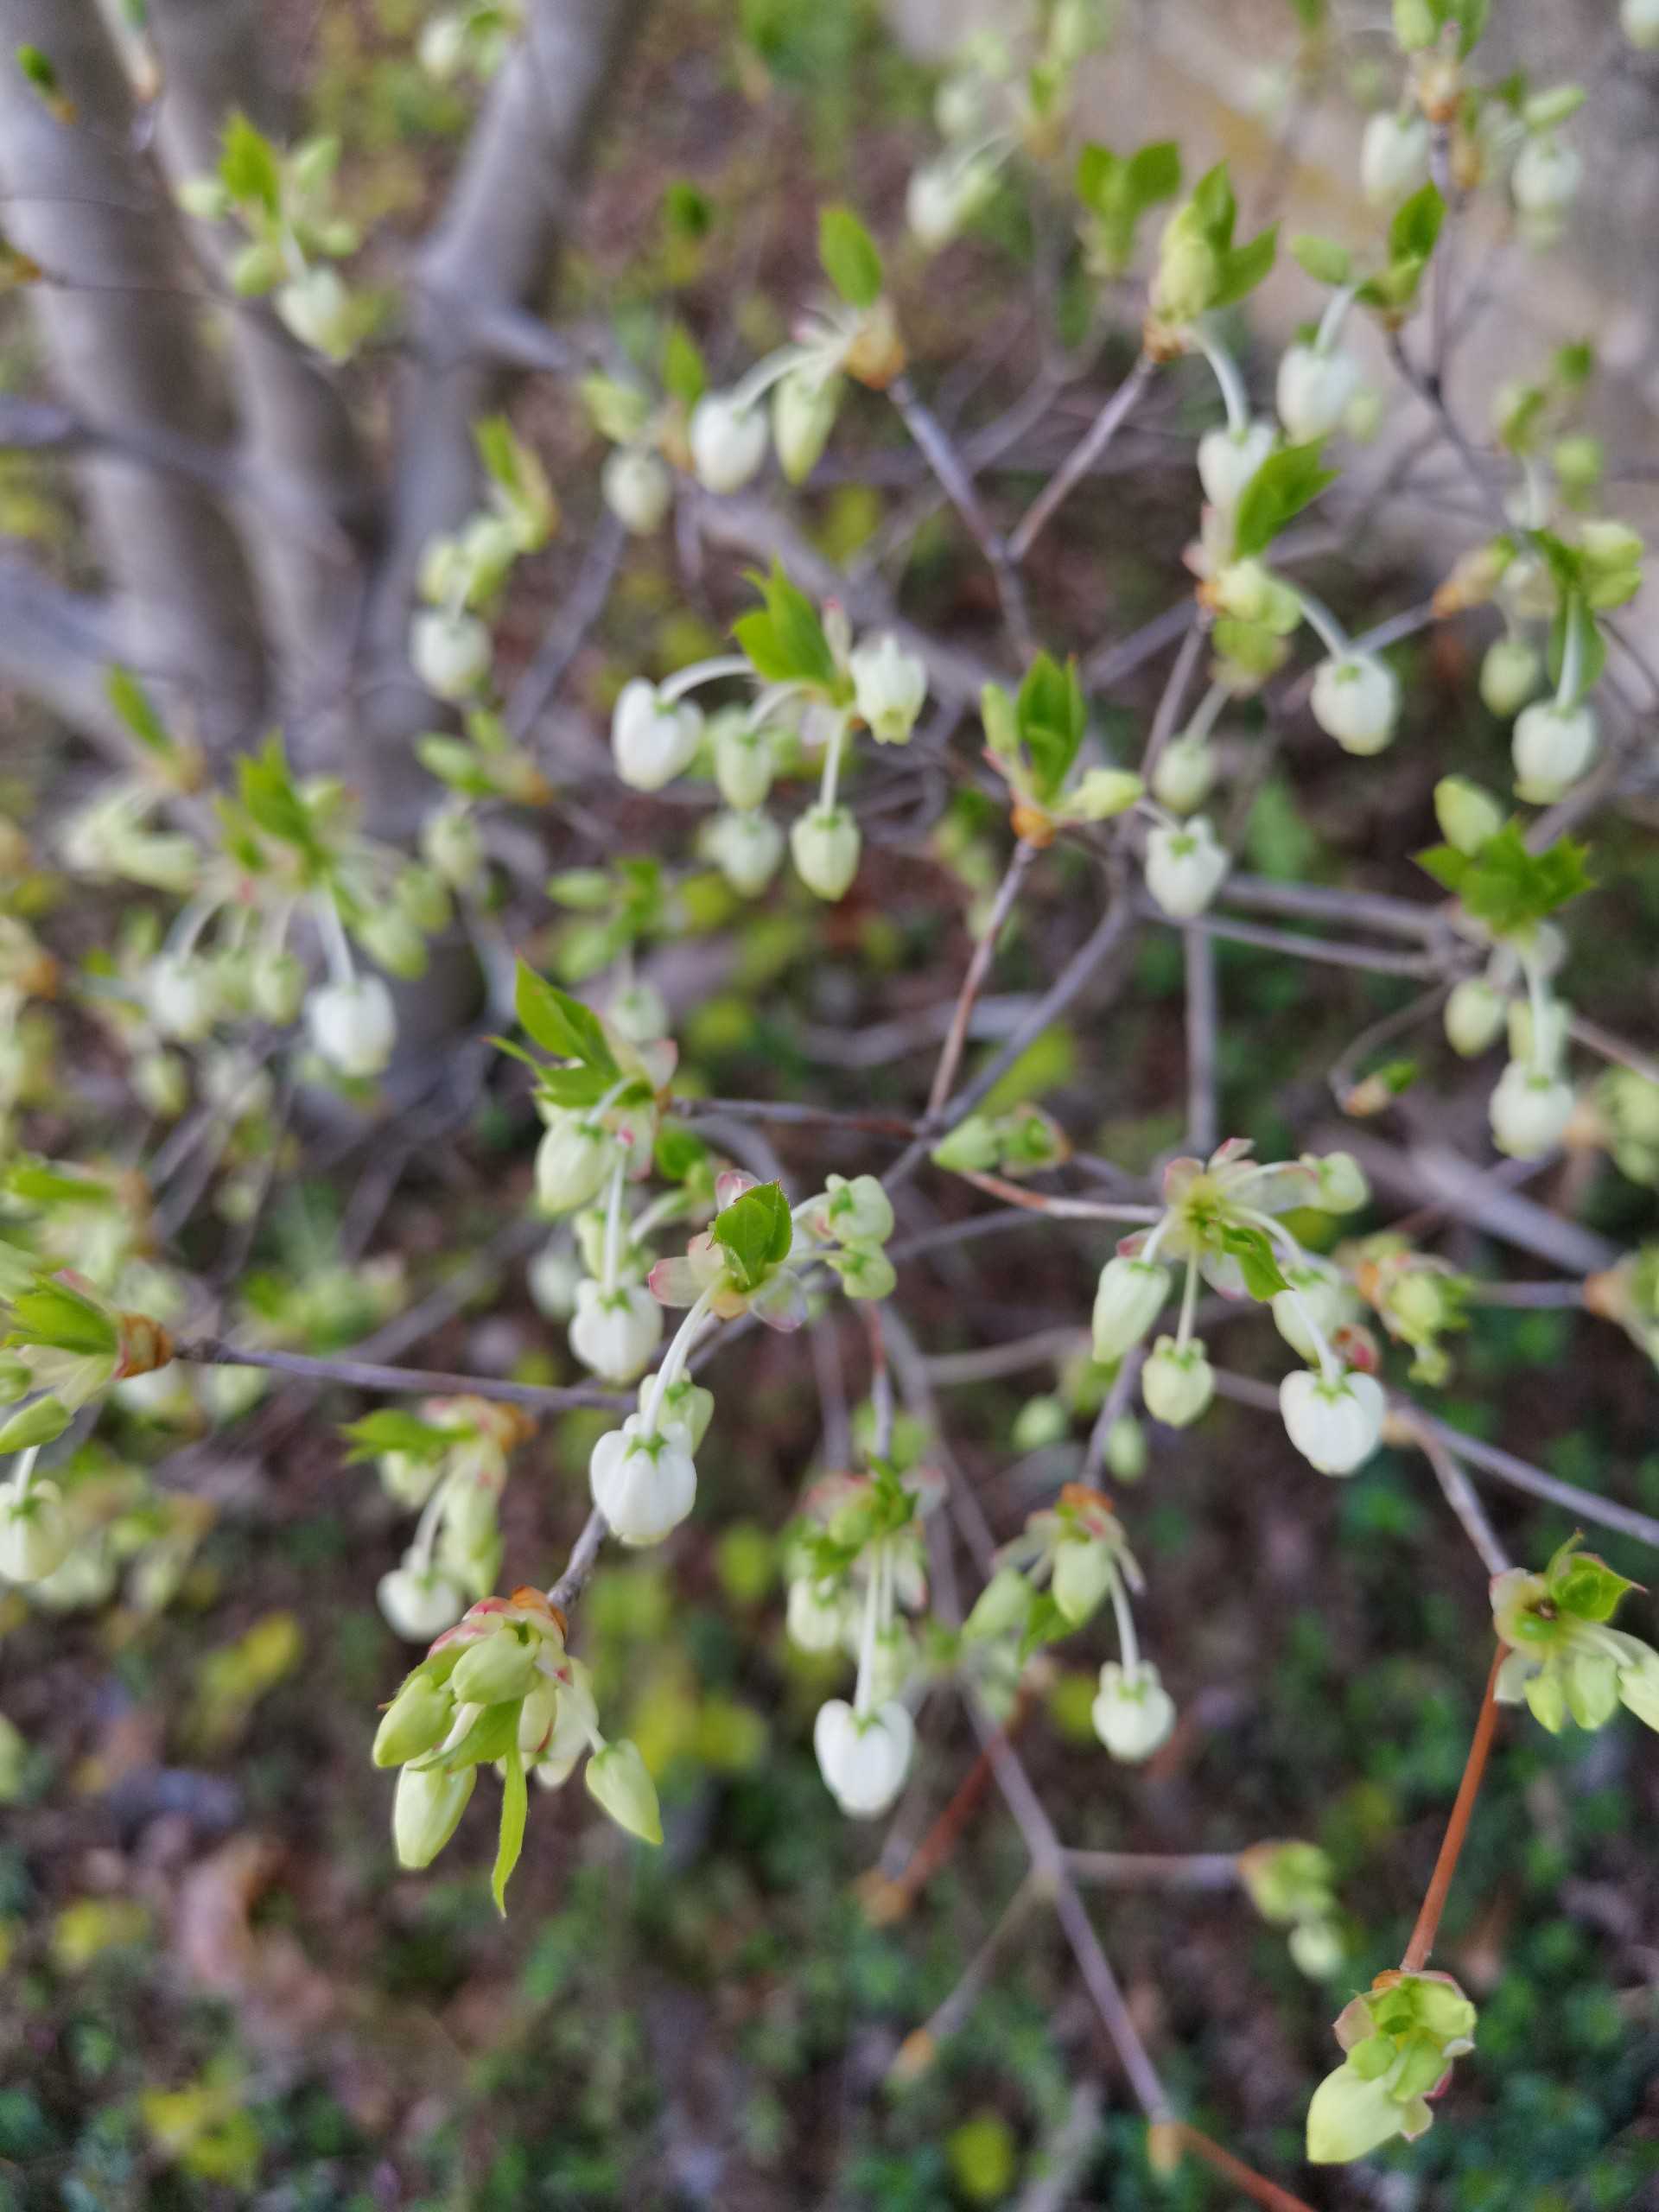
<point x="956" y="1037"/>
<point x="1256" y="2186"/>
<point x="1428" y="1920"/>
<point x="362" y="1375"/>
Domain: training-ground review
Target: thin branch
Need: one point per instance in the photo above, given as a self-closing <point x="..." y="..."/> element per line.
<point x="1375" y="960"/>
<point x="363" y="1374"/>
<point x="1202" y="1021"/>
<point x="1155" y="1870"/>
<point x="1081" y="458"/>
<point x="1461" y="1497"/>
<point x="953" y="475"/>
<point x="984" y="950"/>
<point x="1456" y="1829"/>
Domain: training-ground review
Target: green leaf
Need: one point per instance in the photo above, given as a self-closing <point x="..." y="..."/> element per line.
<point x="248" y="166"/>
<point x="490" y="1737"/>
<point x="390" y="1430"/>
<point x="850" y="257"/>
<point x="1052" y="717"/>
<point x="1152" y="174"/>
<point x="755" y="1233"/>
<point x="684" y="376"/>
<point x="1325" y="261"/>
<point x="1285" y="483"/>
<point x="515" y="1804"/>
<point x="679" y="1151"/>
<point x="273" y="803"/>
<point x="42" y="1422"/>
<point x="1097" y="179"/>
<point x="1253" y="1249"/>
<point x="784" y="641"/>
<point x="1505" y="886"/>
<point x="1585" y="1585"/>
<point x="1215" y="207"/>
<point x="39" y="69"/>
<point x="1470" y="16"/>
<point x="42" y="1184"/>
<point x="1416" y="225"/>
<point x="560" y="1024"/>
<point x="498" y="450"/>
<point x="52" y="1313"/>
<point x="1243" y="269"/>
<point x="133" y="703"/>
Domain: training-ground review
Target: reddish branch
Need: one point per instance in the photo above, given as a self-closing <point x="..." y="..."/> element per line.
<point x="1428" y="1920"/>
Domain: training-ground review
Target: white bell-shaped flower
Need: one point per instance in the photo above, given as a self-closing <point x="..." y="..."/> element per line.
<point x="803" y="408"/>
<point x="1474" y="1016"/>
<point x="745" y="847"/>
<point x="1547" y="176"/>
<point x="1133" y="1712"/>
<point x="1509" y="676"/>
<point x="1228" y="458"/>
<point x="745" y="760"/>
<point x="450" y="653"/>
<point x="863" y="1758"/>
<point x="816" y="1615"/>
<point x="636" y="486"/>
<point x="572" y="1160"/>
<point x="1313" y="389"/>
<point x="889" y="688"/>
<point x="181" y="997"/>
<point x="615" y="1332"/>
<point x="825" y="844"/>
<point x="1335" y="1424"/>
<point x="1128" y="1299"/>
<point x="652" y="742"/>
<point x="1185" y="774"/>
<point x="1316" y="1301"/>
<point x="729" y="442"/>
<point x="418" y="1601"/>
<point x="644" y="1485"/>
<point x="1393" y="158"/>
<point x="1529" y="1110"/>
<point x="1177" y="1382"/>
<point x="1551" y="746"/>
<point x="552" y="1277"/>
<point x="35" y="1533"/>
<point x="353" y="1025"/>
<point x="1355" y="700"/>
<point x="1185" y="867"/>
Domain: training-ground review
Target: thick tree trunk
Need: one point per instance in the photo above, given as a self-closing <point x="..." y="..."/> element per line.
<point x="121" y="331"/>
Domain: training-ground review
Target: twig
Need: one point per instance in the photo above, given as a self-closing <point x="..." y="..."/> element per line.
<point x="957" y="1036"/>
<point x="583" y="604"/>
<point x="1057" y="1208"/>
<point x="363" y="1375"/>
<point x="921" y="2046"/>
<point x="949" y="1371"/>
<point x="1203" y="1109"/>
<point x="1375" y="960"/>
<point x="580" y="1564"/>
<point x="1154" y="1870"/>
<point x="1082" y="457"/>
<point x="1461" y="1497"/>
<point x="942" y="458"/>
<point x="1256" y="2186"/>
<point x="1456" y="1829"/>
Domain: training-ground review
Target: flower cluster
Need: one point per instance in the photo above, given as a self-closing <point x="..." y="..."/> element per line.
<point x="1401" y="2037"/>
<point x="1564" y="1660"/>
<point x="500" y="1689"/>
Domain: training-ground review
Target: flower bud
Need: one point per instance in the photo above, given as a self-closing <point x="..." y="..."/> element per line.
<point x="618" y="1781"/>
<point x="864" y="1270"/>
<point x="1316" y="1949"/>
<point x="1185" y="774"/>
<point x="36" y="1535"/>
<point x="889" y="686"/>
<point x="352" y="1026"/>
<point x="825" y="844"/>
<point x="1393" y="158"/>
<point x="1128" y="1299"/>
<point x="552" y="1277"/>
<point x="1002" y="1607"/>
<point x="729" y="443"/>
<point x="1184" y="867"/>
<point x="1340" y="1181"/>
<point x="1083" y="1567"/>
<point x="863" y="1758"/>
<point x="1316" y="1300"/>
<point x="615" y="1332"/>
<point x="1469" y="817"/>
<point x="181" y="997"/>
<point x="1133" y="1712"/>
<point x="1474" y="1016"/>
<point x="450" y="653"/>
<point x="1189" y="269"/>
<point x="653" y="743"/>
<point x="1529" y="1111"/>
<point x="1551" y="746"/>
<point x="1508" y="677"/>
<point x="1356" y="700"/>
<point x="276" y="987"/>
<point x="1101" y="793"/>
<point x="639" y="1011"/>
<point x="498" y="1669"/>
<point x="816" y="1615"/>
<point x="419" y="1602"/>
<point x="1126" y="1449"/>
<point x="1228" y="458"/>
<point x="636" y="486"/>
<point x="426" y="1812"/>
<point x="1177" y="1382"/>
<point x="855" y="1212"/>
<point x="454" y="845"/>
<point x="945" y="195"/>
<point x="1545" y="176"/>
<point x="161" y="1081"/>
<point x="744" y="760"/>
<point x="644" y="1485"/>
<point x="571" y="1162"/>
<point x="418" y="1717"/>
<point x="1313" y="389"/>
<point x="1335" y="1424"/>
<point x="745" y="847"/>
<point x="803" y="408"/>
